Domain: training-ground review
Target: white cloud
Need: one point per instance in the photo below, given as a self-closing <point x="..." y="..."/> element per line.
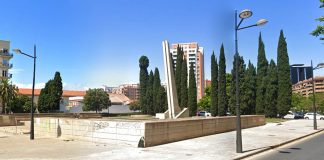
<point x="66" y="86"/>
<point x="16" y="70"/>
<point x="37" y="85"/>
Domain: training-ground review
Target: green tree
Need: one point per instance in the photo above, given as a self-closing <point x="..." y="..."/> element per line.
<point x="284" y="82"/>
<point x="157" y="92"/>
<point x="95" y="100"/>
<point x="50" y="96"/>
<point x="204" y="103"/>
<point x="21" y="104"/>
<point x="13" y="93"/>
<point x="262" y="67"/>
<point x="134" y="106"/>
<point x="192" y="92"/>
<point x="248" y="101"/>
<point x="222" y="97"/>
<point x="319" y="31"/>
<point x="184" y="85"/>
<point x="143" y="64"/>
<point x="232" y="98"/>
<point x="271" y="95"/>
<point x="45" y="101"/>
<point x="164" y="102"/>
<point x="57" y="90"/>
<point x="228" y="86"/>
<point x="297" y="102"/>
<point x="4" y="92"/>
<point x="8" y="93"/>
<point x="178" y="73"/>
<point x="149" y="94"/>
<point x="214" y="86"/>
<point x="319" y="102"/>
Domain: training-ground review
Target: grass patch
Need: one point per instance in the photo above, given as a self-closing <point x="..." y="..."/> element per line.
<point x="275" y="120"/>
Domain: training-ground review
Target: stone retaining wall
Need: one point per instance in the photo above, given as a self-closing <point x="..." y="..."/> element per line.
<point x="139" y="133"/>
<point x="167" y="131"/>
<point x="7" y="120"/>
<point x="101" y="131"/>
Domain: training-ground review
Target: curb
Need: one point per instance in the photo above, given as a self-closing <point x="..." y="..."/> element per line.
<point x="277" y="145"/>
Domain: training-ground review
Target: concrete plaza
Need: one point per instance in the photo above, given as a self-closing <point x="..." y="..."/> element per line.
<point x="218" y="146"/>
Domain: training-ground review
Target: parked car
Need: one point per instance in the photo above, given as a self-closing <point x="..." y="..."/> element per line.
<point x="294" y="115"/>
<point x="290" y="115"/>
<point x="310" y="115"/>
<point x="299" y="115"/>
<point x="204" y="113"/>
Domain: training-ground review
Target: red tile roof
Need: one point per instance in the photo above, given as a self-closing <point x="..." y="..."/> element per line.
<point x="66" y="93"/>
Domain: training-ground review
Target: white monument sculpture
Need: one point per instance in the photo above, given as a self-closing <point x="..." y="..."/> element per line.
<point x="174" y="111"/>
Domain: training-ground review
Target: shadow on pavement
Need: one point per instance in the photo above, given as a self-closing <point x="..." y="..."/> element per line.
<point x="284" y="152"/>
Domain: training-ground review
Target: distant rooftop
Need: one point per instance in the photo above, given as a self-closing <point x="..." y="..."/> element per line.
<point x="66" y="93"/>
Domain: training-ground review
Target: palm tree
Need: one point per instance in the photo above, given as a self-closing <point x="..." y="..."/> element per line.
<point x="4" y="94"/>
<point x="8" y="93"/>
<point x="12" y="95"/>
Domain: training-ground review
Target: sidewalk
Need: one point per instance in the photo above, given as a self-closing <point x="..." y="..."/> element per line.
<point x="218" y="146"/>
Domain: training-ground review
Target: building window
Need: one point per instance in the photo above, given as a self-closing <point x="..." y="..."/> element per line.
<point x="4" y="73"/>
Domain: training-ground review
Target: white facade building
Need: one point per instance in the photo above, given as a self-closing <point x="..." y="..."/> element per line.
<point x="193" y="54"/>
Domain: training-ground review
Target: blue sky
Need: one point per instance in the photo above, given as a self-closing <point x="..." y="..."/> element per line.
<point x="98" y="42"/>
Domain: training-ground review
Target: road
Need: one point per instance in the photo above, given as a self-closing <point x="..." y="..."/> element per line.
<point x="310" y="148"/>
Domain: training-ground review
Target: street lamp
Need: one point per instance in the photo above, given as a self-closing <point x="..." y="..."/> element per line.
<point x="320" y="65"/>
<point x="32" y="105"/>
<point x="243" y="15"/>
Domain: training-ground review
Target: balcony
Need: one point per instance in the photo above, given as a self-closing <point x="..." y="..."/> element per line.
<point x="5" y="53"/>
<point x="6" y="65"/>
<point x="8" y="76"/>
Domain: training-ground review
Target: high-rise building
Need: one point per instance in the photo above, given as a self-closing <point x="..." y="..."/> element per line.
<point x="193" y="54"/>
<point x="5" y="57"/>
<point x="299" y="72"/>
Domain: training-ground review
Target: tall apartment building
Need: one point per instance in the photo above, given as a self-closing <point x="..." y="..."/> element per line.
<point x="299" y="72"/>
<point x="5" y="57"/>
<point x="193" y="54"/>
<point x="305" y="87"/>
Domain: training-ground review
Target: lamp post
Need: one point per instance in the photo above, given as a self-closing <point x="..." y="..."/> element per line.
<point x="243" y="15"/>
<point x="33" y="91"/>
<point x="320" y="65"/>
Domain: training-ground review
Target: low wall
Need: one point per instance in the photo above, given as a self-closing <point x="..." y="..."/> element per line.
<point x="101" y="131"/>
<point x="7" y="120"/>
<point x="161" y="132"/>
<point x="140" y="133"/>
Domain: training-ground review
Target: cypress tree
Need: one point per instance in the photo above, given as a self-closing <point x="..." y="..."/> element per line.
<point x="214" y="86"/>
<point x="178" y="72"/>
<point x="271" y="91"/>
<point x="149" y="94"/>
<point x="164" y="101"/>
<point x="222" y="97"/>
<point x="157" y="94"/>
<point x="57" y="90"/>
<point x="143" y="64"/>
<point x="262" y="67"/>
<point x="184" y="85"/>
<point x="284" y="82"/>
<point x="50" y="95"/>
<point x="192" y="92"/>
<point x="232" y="99"/>
<point x="248" y="100"/>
